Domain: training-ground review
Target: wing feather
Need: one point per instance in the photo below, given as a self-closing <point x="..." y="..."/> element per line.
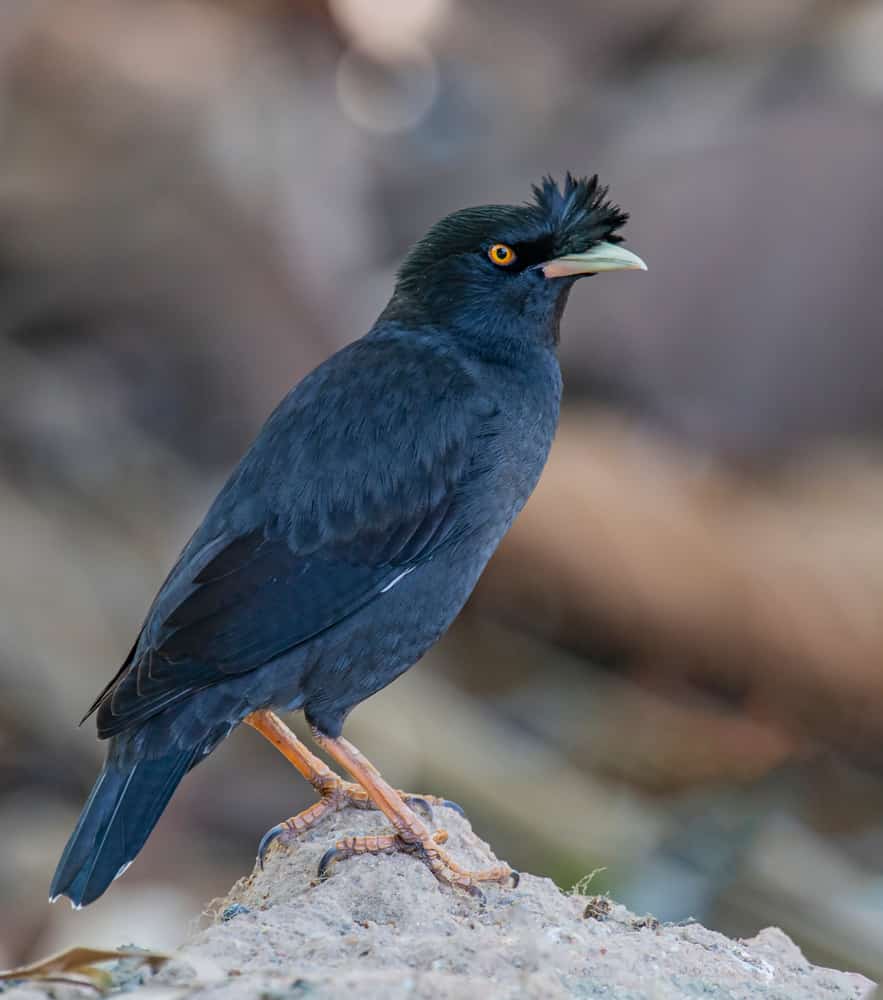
<point x="352" y="481"/>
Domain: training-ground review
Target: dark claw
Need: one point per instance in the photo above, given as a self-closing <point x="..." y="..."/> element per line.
<point x="418" y="802"/>
<point x="268" y="838"/>
<point x="453" y="805"/>
<point x="328" y="859"/>
<point x="515" y="877"/>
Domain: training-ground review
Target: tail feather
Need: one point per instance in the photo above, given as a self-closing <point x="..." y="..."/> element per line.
<point x="120" y="813"/>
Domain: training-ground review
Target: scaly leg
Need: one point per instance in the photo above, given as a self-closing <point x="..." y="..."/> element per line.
<point x="411" y="834"/>
<point x="334" y="792"/>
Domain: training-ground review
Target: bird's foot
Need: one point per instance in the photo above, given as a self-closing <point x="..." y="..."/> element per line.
<point x="426" y="849"/>
<point x="369" y="791"/>
<point x="336" y="794"/>
<point x="411" y="834"/>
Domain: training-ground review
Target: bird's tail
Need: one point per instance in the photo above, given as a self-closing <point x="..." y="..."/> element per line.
<point x="123" y="808"/>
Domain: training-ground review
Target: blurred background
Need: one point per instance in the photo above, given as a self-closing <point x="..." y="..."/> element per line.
<point x="673" y="670"/>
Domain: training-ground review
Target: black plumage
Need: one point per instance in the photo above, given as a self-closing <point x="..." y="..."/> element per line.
<point x="356" y="526"/>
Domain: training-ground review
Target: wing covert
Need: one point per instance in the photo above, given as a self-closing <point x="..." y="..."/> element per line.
<point x="341" y="492"/>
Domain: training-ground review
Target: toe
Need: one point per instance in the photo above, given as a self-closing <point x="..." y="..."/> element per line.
<point x="269" y="838"/>
<point x="421" y="805"/>
<point x="328" y="859"/>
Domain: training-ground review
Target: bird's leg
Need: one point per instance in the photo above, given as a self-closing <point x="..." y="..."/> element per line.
<point x="411" y="834"/>
<point x="334" y="792"/>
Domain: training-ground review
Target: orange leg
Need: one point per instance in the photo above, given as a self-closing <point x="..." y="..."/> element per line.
<point x="411" y="834"/>
<point x="334" y="792"/>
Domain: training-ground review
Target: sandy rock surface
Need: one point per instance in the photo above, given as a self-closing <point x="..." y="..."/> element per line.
<point x="382" y="927"/>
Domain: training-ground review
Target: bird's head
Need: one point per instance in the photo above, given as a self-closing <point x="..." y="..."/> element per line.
<point x="498" y="275"/>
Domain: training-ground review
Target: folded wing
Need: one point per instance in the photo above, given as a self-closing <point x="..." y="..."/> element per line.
<point x="344" y="490"/>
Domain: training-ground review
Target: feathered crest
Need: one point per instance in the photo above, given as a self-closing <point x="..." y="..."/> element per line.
<point x="581" y="207"/>
<point x="556" y="222"/>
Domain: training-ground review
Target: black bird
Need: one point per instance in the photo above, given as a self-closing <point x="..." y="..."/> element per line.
<point x="353" y="530"/>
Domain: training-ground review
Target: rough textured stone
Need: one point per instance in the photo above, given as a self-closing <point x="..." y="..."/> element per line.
<point x="381" y="927"/>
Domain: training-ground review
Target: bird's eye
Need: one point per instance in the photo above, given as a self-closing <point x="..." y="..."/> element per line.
<point x="501" y="255"/>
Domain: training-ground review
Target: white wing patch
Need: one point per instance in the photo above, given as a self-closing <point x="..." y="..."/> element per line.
<point x="401" y="576"/>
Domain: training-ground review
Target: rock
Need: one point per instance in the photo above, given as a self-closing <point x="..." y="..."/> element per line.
<point x="382" y="927"/>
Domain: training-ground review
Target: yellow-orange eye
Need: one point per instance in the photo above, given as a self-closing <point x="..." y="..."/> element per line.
<point x="501" y="255"/>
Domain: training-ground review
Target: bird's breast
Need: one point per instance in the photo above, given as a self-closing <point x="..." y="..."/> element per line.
<point x="513" y="458"/>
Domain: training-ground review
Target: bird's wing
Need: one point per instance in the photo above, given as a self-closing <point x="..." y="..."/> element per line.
<point x="353" y="481"/>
